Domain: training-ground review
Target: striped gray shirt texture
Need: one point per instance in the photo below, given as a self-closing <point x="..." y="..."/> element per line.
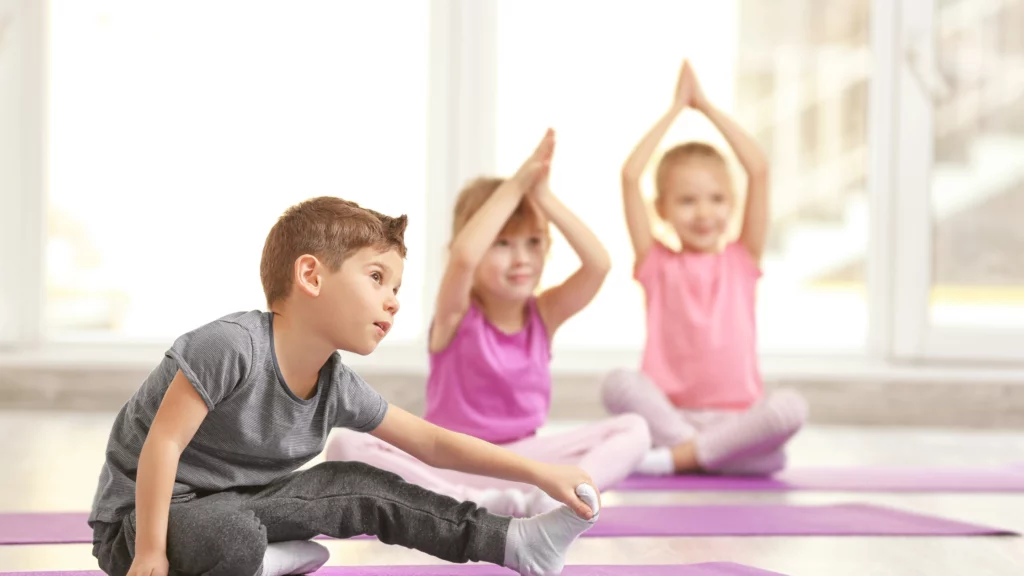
<point x="256" y="430"/>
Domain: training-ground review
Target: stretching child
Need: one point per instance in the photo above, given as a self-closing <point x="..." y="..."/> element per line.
<point x="490" y="346"/>
<point x="201" y="465"/>
<point x="700" y="390"/>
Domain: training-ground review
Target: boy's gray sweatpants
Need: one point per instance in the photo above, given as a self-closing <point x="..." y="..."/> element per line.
<point x="226" y="533"/>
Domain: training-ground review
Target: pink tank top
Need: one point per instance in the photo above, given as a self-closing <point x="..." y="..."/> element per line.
<point x="489" y="384"/>
<point x="701" y="345"/>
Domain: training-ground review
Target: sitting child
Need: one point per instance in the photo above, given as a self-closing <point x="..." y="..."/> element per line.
<point x="201" y="465"/>
<point x="700" y="386"/>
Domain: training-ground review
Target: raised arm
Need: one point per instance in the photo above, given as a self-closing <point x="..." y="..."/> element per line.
<point x="559" y="303"/>
<point x="637" y="220"/>
<point x="755" y="216"/>
<point x="473" y="241"/>
<point x="181" y="412"/>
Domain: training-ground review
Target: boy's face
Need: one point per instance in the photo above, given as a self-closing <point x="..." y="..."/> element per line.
<point x="360" y="300"/>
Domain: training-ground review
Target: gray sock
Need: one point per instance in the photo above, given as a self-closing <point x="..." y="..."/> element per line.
<point x="536" y="546"/>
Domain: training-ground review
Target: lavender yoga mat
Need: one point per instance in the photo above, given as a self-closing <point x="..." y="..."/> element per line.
<point x="1010" y="479"/>
<point x="711" y="520"/>
<point x="778" y="520"/>
<point x="704" y="569"/>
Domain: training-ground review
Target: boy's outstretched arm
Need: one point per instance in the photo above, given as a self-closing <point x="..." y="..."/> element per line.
<point x="441" y="448"/>
<point x="181" y="412"/>
<point x="755" y="215"/>
<point x="473" y="241"/>
<point x="559" y="303"/>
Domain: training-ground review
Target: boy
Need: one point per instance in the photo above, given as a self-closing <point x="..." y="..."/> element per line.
<point x="200" y="475"/>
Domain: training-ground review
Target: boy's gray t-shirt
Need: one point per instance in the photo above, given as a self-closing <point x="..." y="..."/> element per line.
<point x="256" y="430"/>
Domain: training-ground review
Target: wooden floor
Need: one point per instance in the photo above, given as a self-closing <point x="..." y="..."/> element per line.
<point x="50" y="462"/>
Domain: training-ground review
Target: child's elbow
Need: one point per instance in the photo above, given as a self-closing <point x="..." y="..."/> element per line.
<point x="759" y="172"/>
<point x="602" y="265"/>
<point x="630" y="174"/>
<point x="460" y="258"/>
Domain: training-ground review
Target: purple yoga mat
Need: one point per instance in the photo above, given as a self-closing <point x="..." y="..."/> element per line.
<point x="778" y="520"/>
<point x="705" y="569"/>
<point x="1010" y="479"/>
<point x="710" y="520"/>
<point x="45" y="528"/>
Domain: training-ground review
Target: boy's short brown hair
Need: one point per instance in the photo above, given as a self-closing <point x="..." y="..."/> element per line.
<point x="329" y="228"/>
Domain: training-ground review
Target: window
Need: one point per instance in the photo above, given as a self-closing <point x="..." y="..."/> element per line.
<point x="180" y="132"/>
<point x="977" y="181"/>
<point x="608" y="78"/>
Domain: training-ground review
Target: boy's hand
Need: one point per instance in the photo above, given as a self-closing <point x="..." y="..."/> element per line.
<point x="560" y="483"/>
<point x="537" y="165"/>
<point x="149" y="565"/>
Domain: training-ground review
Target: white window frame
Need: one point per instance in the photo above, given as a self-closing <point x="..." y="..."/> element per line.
<point x="23" y="44"/>
<point x="915" y="338"/>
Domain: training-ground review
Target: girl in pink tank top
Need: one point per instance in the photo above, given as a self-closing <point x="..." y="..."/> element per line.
<point x="490" y="345"/>
<point x="700" y="387"/>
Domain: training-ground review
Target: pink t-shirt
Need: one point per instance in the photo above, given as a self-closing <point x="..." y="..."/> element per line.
<point x="489" y="384"/>
<point x="701" y="345"/>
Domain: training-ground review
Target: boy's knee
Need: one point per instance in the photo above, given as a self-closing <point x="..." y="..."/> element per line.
<point x="226" y="545"/>
<point x="244" y="554"/>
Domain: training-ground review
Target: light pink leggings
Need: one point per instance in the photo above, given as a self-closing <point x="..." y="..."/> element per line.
<point x="746" y="442"/>
<point x="608" y="450"/>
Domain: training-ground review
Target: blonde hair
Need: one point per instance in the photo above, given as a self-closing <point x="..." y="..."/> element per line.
<point x="687" y="152"/>
<point x="330" y="229"/>
<point x="476" y="193"/>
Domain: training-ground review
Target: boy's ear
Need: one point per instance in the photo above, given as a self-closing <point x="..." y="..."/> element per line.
<point x="307" y="274"/>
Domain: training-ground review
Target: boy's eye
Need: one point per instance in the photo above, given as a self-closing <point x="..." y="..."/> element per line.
<point x="686" y="200"/>
<point x="718" y="198"/>
<point x="501" y="242"/>
<point x="377" y="277"/>
<point x="535" y="241"/>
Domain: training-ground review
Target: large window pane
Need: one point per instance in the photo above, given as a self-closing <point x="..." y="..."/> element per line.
<point x="181" y="131"/>
<point x="977" y="187"/>
<point x="794" y="72"/>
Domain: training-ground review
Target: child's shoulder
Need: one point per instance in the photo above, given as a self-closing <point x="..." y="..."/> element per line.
<point x="233" y="325"/>
<point x="237" y="331"/>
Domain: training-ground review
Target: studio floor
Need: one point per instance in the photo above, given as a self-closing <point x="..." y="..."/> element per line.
<point x="51" y="461"/>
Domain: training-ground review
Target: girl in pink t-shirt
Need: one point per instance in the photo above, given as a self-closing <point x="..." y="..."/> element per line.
<point x="700" y="387"/>
<point x="490" y="346"/>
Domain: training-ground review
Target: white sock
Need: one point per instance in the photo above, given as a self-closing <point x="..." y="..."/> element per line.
<point x="508" y="502"/>
<point x="294" y="557"/>
<point x="536" y="546"/>
<point x="657" y="462"/>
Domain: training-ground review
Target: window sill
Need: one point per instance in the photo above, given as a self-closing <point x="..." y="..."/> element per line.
<point x="410" y="358"/>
